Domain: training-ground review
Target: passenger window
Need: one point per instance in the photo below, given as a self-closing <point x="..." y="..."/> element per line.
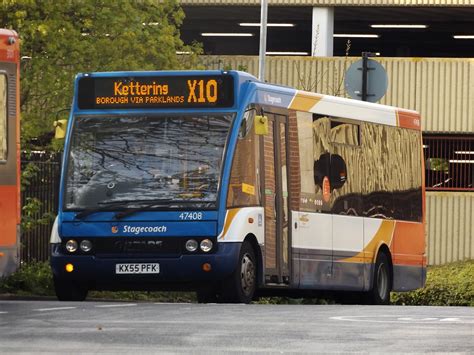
<point x="3" y="118"/>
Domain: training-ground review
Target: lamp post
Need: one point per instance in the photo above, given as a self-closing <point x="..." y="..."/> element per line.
<point x="263" y="39"/>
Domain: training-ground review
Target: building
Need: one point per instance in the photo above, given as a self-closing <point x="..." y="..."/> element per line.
<point x="430" y="65"/>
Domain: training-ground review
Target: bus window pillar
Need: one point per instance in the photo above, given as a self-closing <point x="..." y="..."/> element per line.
<point x="322" y="32"/>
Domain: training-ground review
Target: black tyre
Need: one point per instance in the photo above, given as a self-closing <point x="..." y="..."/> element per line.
<point x="241" y="285"/>
<point x="382" y="285"/>
<point x="69" y="290"/>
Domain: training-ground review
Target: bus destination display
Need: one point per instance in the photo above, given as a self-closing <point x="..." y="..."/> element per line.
<point x="156" y="92"/>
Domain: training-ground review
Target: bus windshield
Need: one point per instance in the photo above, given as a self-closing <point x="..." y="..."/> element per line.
<point x="176" y="159"/>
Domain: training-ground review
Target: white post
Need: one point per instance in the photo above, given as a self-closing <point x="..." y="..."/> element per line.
<point x="322" y="32"/>
<point x="263" y="39"/>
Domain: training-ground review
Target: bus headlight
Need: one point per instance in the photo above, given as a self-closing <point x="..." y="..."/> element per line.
<point x="191" y="245"/>
<point x="86" y="245"/>
<point x="206" y="245"/>
<point x="71" y="245"/>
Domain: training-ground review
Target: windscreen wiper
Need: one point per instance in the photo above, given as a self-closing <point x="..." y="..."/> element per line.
<point x="150" y="203"/>
<point x="114" y="204"/>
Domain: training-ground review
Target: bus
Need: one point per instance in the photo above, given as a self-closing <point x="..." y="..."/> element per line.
<point x="9" y="152"/>
<point x="215" y="182"/>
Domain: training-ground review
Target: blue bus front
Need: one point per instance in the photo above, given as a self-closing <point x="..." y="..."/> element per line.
<point x="144" y="181"/>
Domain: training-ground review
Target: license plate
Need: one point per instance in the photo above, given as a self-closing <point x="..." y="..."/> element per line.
<point x="137" y="268"/>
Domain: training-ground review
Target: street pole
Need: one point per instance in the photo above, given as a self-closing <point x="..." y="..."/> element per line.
<point x="365" y="57"/>
<point x="263" y="39"/>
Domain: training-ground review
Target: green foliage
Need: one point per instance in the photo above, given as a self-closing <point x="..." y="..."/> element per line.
<point x="27" y="174"/>
<point x="240" y="67"/>
<point x="31" y="215"/>
<point x="288" y="300"/>
<point x="34" y="279"/>
<point x="438" y="164"/>
<point x="447" y="285"/>
<point x="60" y="38"/>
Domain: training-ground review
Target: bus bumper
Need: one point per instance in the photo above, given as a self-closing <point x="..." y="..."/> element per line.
<point x="183" y="272"/>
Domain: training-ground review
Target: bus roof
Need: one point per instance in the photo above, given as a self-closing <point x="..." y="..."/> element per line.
<point x="327" y="105"/>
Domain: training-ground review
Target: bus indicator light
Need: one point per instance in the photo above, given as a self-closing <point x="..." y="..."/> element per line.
<point x="69" y="267"/>
<point x="206" y="267"/>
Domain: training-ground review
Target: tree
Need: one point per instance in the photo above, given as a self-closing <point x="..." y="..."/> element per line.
<point x="60" y="38"/>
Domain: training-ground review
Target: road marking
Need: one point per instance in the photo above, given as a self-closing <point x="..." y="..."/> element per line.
<point x="54" y="309"/>
<point x="407" y="320"/>
<point x="117" y="305"/>
<point x="3" y="312"/>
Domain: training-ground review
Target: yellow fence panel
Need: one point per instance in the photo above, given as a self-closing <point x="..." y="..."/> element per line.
<point x="442" y="90"/>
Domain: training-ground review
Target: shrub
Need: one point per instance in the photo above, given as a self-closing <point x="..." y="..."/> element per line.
<point x="446" y="285"/>
<point x="31" y="279"/>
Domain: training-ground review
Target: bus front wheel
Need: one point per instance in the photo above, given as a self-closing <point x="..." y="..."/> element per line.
<point x="380" y="293"/>
<point x="69" y="290"/>
<point x="241" y="285"/>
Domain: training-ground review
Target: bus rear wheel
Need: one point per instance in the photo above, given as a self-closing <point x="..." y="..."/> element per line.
<point x="69" y="290"/>
<point x="241" y="285"/>
<point x="380" y="293"/>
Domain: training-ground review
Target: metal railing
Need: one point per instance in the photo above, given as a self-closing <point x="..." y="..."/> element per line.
<point x="40" y="195"/>
<point x="449" y="162"/>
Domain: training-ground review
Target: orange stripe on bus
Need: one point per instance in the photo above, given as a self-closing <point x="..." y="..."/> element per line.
<point x="383" y="236"/>
<point x="228" y="220"/>
<point x="408" y="119"/>
<point x="302" y="102"/>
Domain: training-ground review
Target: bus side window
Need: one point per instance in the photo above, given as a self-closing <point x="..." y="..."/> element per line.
<point x="3" y="118"/>
<point x="244" y="181"/>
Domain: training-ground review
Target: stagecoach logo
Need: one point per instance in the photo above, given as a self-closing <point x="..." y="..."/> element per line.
<point x="272" y="99"/>
<point x="139" y="230"/>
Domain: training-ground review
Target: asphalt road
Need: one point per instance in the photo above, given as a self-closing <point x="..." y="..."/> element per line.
<point x="118" y="327"/>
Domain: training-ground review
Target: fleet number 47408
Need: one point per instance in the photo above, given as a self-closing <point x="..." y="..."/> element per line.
<point x="190" y="216"/>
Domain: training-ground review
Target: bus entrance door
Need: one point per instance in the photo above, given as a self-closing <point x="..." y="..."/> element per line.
<point x="277" y="235"/>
